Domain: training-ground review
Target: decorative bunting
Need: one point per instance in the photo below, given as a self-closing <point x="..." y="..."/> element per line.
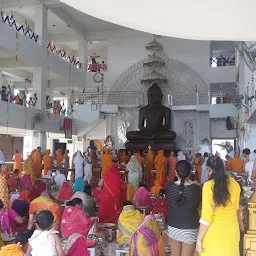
<point x="19" y="28"/>
<point x="64" y="55"/>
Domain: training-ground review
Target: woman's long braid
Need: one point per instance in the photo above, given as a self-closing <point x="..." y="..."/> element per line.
<point x="181" y="197"/>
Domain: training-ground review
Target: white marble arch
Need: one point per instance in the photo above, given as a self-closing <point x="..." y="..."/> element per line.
<point x="181" y="83"/>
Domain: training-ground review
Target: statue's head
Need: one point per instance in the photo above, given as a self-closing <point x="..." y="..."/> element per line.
<point x="155" y="94"/>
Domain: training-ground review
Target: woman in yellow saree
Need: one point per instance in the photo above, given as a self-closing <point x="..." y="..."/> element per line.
<point x="147" y="240"/>
<point x="29" y="168"/>
<point x="128" y="222"/>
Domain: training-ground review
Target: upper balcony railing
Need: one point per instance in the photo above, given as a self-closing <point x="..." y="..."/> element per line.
<point x="25" y="99"/>
<point x="121" y="98"/>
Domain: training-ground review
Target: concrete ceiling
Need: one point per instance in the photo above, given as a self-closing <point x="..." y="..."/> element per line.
<point x="197" y="19"/>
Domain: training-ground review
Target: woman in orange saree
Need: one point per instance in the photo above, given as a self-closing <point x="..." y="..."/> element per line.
<point x="17" y="158"/>
<point x="198" y="162"/>
<point x="106" y="160"/>
<point x="113" y="195"/>
<point x="47" y="161"/>
<point x="59" y="158"/>
<point x="139" y="158"/>
<point x="45" y="203"/>
<point x="38" y="163"/>
<point x="172" y="161"/>
<point x="160" y="163"/>
<point x="149" y="165"/>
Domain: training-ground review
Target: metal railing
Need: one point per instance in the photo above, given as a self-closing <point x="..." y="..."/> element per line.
<point x="121" y="98"/>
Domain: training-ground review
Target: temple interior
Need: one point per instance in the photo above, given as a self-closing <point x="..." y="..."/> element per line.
<point x="127" y="129"/>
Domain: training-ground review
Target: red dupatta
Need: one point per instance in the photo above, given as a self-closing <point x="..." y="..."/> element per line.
<point x="113" y="195"/>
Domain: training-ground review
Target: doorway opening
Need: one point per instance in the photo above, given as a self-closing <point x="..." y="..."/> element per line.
<point x="223" y="147"/>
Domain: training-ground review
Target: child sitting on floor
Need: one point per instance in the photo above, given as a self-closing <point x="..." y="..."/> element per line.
<point x="20" y="246"/>
<point x="45" y="241"/>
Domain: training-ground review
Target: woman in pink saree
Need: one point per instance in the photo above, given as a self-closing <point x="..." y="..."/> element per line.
<point x="113" y="195"/>
<point x="172" y="161"/>
<point x="76" y="245"/>
<point x="142" y="198"/>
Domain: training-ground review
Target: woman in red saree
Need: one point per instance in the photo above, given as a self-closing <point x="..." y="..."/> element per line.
<point x="113" y="195"/>
<point x="65" y="192"/>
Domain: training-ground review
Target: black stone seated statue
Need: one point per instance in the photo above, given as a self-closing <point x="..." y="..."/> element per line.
<point x="154" y="124"/>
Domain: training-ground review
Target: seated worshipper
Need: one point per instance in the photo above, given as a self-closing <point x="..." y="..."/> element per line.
<point x="38" y="190"/>
<point x="134" y="177"/>
<point x="21" y="205"/>
<point x="142" y="198"/>
<point x="59" y="178"/>
<point x="76" y="245"/>
<point x="156" y="188"/>
<point x="49" y="178"/>
<point x="113" y="194"/>
<point x="147" y="240"/>
<point x="79" y="165"/>
<point x="26" y="183"/>
<point x="237" y="164"/>
<point x="160" y="204"/>
<point x="65" y="192"/>
<point x="88" y="168"/>
<point x="13" y="180"/>
<point x="9" y="219"/>
<point x="180" y="156"/>
<point x="44" y="203"/>
<point x="106" y="161"/>
<point x="97" y="195"/>
<point x="79" y="185"/>
<point x="229" y="163"/>
<point x="74" y="220"/>
<point x="160" y="162"/>
<point x="128" y="222"/>
<point x="89" y="204"/>
<point x="45" y="240"/>
<point x="21" y="244"/>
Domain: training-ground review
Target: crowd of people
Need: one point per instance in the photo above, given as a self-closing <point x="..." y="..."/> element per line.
<point x="192" y="193"/>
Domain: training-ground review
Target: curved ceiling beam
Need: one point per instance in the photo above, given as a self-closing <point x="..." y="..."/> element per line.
<point x="190" y="19"/>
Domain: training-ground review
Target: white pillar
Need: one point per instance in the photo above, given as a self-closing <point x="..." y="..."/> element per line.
<point x="40" y="73"/>
<point x="83" y="54"/>
<point x="1" y="82"/>
<point x="39" y="140"/>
